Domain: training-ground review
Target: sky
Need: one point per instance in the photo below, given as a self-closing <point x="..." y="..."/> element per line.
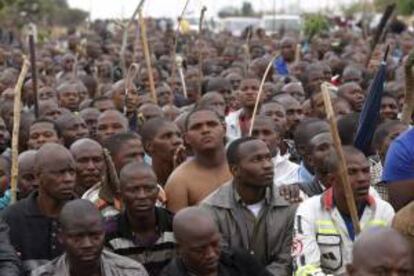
<point x="172" y="8"/>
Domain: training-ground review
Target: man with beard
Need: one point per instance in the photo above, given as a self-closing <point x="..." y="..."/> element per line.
<point x="238" y="122"/>
<point x="90" y="164"/>
<point x="196" y="178"/>
<point x="324" y="233"/>
<point x="82" y="236"/>
<point x="32" y="221"/>
<point x="247" y="207"/>
<point x="162" y="139"/>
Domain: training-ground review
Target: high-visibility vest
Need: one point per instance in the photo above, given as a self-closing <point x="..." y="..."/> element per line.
<point x="322" y="245"/>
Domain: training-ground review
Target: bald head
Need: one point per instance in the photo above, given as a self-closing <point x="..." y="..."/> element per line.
<point x="381" y="249"/>
<point x="51" y="153"/>
<point x="136" y="170"/>
<point x="26" y="159"/>
<point x="84" y="144"/>
<point x="192" y="224"/>
<point x="77" y="213"/>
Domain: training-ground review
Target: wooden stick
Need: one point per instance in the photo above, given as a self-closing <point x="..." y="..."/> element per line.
<point x="200" y="58"/>
<point x="408" y="106"/>
<point x="297" y="52"/>
<point x="174" y="49"/>
<point x="179" y="61"/>
<point x="343" y="171"/>
<point x="259" y="94"/>
<point x="132" y="72"/>
<point x="125" y="35"/>
<point x="147" y="56"/>
<point x="32" y="49"/>
<point x="109" y="191"/>
<point x="16" y="127"/>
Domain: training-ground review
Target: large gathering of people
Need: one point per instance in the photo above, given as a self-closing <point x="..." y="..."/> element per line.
<point x="212" y="167"/>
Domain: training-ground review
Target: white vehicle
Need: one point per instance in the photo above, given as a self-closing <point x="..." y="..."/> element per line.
<point x="236" y="25"/>
<point x="274" y="23"/>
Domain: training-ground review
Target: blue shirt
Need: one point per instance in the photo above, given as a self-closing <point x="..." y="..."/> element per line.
<point x="281" y="67"/>
<point x="304" y="175"/>
<point x="399" y="162"/>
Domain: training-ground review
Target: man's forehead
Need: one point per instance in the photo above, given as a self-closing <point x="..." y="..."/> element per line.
<point x="253" y="147"/>
<point x="202" y="116"/>
<point x="41" y="126"/>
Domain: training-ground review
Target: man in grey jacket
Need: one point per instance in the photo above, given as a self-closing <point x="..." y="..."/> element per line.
<point x="249" y="211"/>
<point x="82" y="235"/>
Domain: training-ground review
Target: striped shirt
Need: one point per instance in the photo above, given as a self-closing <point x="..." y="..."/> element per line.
<point x="154" y="253"/>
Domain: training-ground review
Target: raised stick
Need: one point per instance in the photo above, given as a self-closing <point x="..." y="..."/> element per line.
<point x="144" y="41"/>
<point x="259" y="94"/>
<point x="174" y="49"/>
<point x="125" y="35"/>
<point x="132" y="72"/>
<point x="343" y="171"/>
<point x="16" y="127"/>
<point x="179" y="61"/>
<point x="200" y="58"/>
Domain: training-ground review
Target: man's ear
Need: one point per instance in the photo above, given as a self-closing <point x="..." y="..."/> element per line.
<point x="148" y="148"/>
<point x="234" y="170"/>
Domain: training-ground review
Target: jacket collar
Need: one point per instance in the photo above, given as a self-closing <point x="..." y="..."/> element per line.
<point x="226" y="197"/>
<point x="328" y="200"/>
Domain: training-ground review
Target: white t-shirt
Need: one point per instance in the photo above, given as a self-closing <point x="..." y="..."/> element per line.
<point x="256" y="208"/>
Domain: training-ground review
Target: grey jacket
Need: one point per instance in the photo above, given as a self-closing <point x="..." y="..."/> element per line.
<point x="112" y="265"/>
<point x="271" y="238"/>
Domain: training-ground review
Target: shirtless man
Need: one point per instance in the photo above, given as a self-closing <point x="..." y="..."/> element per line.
<point x="196" y="178"/>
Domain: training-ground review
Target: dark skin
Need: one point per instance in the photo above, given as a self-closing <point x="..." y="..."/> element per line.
<point x="254" y="171"/>
<point x="41" y="133"/>
<point x="82" y="235"/>
<point x="359" y="179"/>
<point x="389" y="108"/>
<point x="109" y="123"/>
<point x="205" y="134"/>
<point x="198" y="241"/>
<point x="27" y="181"/>
<point x="131" y="150"/>
<point x="353" y="93"/>
<point x="162" y="149"/>
<point x="371" y="256"/>
<point x="56" y="173"/>
<point x="318" y="149"/>
<point x="263" y="129"/>
<point x="139" y="192"/>
<point x="249" y="88"/>
<point x="90" y="164"/>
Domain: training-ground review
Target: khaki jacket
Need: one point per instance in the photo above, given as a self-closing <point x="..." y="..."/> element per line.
<point x="112" y="265"/>
<point x="270" y="237"/>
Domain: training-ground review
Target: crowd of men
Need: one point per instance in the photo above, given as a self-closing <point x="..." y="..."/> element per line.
<point x="116" y="180"/>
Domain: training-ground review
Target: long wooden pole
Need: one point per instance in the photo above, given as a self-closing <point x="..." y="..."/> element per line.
<point x="174" y="48"/>
<point x="343" y="171"/>
<point x="125" y="35"/>
<point x="16" y="127"/>
<point x="200" y="56"/>
<point x="259" y="94"/>
<point x="147" y="55"/>
<point x="408" y="106"/>
<point x="132" y="72"/>
<point x="179" y="61"/>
